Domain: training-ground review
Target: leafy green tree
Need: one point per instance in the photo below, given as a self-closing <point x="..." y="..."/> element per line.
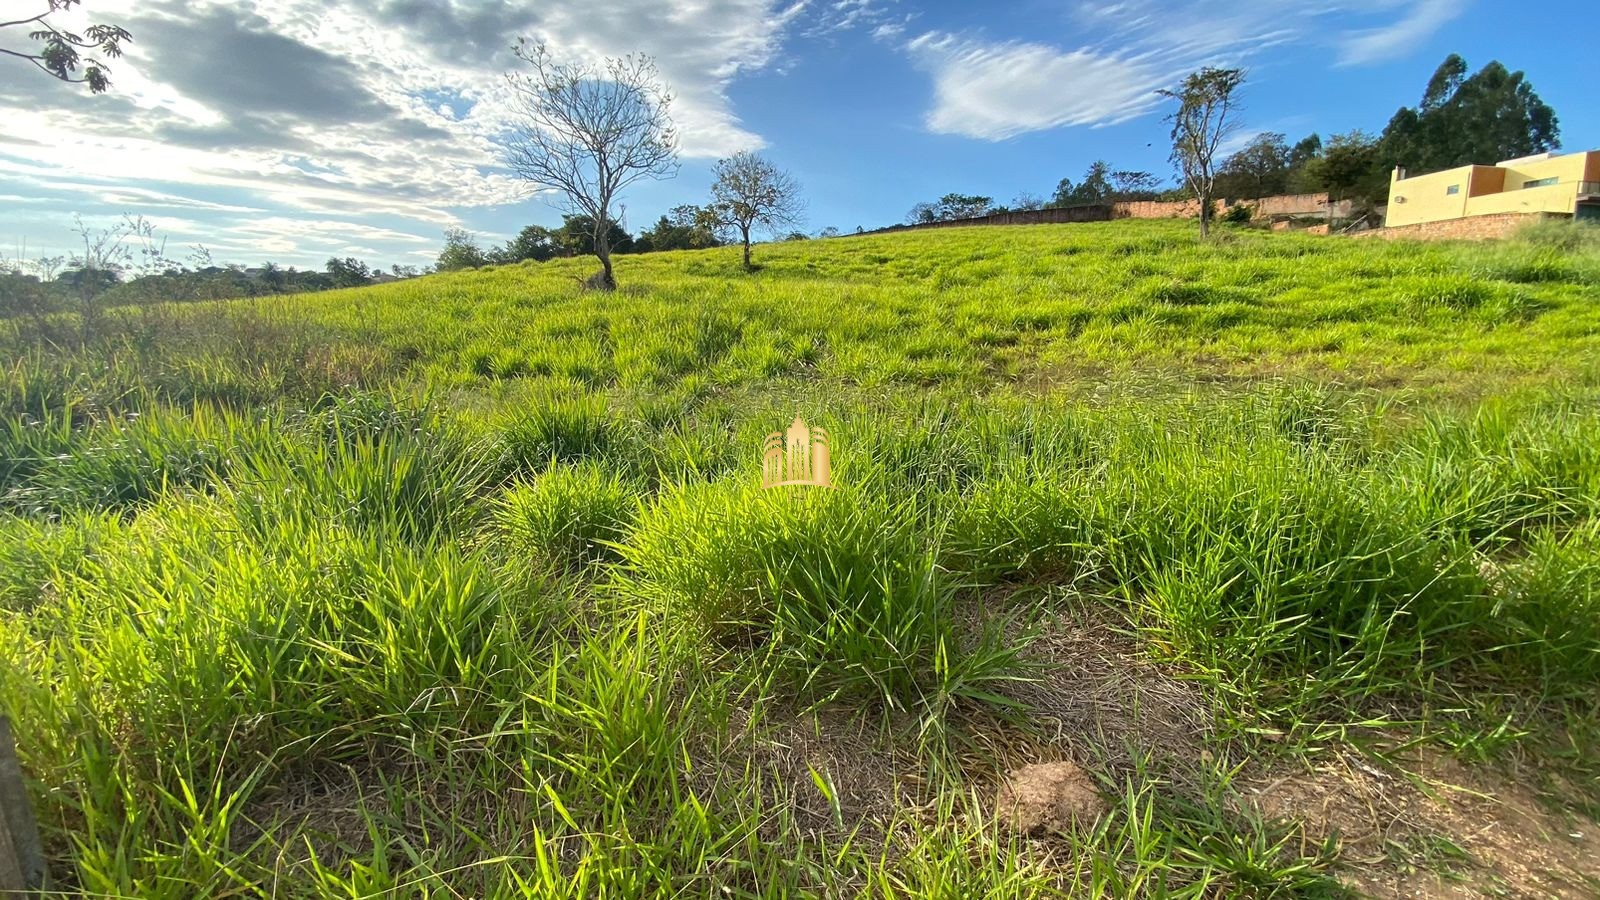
<point x="60" y="53"/>
<point x="963" y="206"/>
<point x="576" y="236"/>
<point x="1349" y="169"/>
<point x="1134" y="185"/>
<point x="1095" y="187"/>
<point x="1300" y="180"/>
<point x="1487" y="117"/>
<point x="349" y="272"/>
<point x="950" y="207"/>
<point x="25" y="295"/>
<point x="1305" y="150"/>
<point x="273" y="277"/>
<point x="684" y="227"/>
<point x="663" y="235"/>
<point x="1205" y="118"/>
<point x="461" y="251"/>
<point x="1259" y="170"/>
<point x="534" y="242"/>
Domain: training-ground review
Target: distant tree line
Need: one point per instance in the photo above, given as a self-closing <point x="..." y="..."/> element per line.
<point x="685" y="227"/>
<point x="128" y="263"/>
<point x="1100" y="184"/>
<point x="1491" y="115"/>
<point x="750" y="195"/>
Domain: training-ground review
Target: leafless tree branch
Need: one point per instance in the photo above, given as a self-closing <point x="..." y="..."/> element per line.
<point x="750" y="191"/>
<point x="1203" y="120"/>
<point x="589" y="132"/>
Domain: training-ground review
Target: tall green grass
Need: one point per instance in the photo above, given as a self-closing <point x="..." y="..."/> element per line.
<point x="467" y="586"/>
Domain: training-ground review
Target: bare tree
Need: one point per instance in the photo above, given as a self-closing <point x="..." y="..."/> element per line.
<point x="47" y="266"/>
<point x="59" y="56"/>
<point x="589" y="132"/>
<point x="1027" y="200"/>
<point x="1199" y="126"/>
<point x="750" y="191"/>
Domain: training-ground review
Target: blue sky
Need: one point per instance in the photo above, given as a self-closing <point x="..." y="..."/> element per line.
<point x="295" y="130"/>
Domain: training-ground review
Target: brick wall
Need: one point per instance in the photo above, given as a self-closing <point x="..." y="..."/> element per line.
<point x="1046" y="216"/>
<point x="1093" y="213"/>
<point x="1155" y="209"/>
<point x="1471" y="228"/>
<point x="1288" y="204"/>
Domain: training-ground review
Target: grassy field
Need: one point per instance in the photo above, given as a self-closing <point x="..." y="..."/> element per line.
<point x="466" y="585"/>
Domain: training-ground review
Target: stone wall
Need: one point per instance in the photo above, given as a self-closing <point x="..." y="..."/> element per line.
<point x="1471" y="228"/>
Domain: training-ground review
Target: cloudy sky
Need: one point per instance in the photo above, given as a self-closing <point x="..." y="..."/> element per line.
<point x="294" y="130"/>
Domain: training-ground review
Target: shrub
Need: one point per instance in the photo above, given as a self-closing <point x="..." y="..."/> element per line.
<point x="417" y="487"/>
<point x="1546" y="612"/>
<point x="1239" y="214"/>
<point x="1457" y="292"/>
<point x="556" y="430"/>
<point x="836" y="588"/>
<point x="1566" y="235"/>
<point x="570" y="517"/>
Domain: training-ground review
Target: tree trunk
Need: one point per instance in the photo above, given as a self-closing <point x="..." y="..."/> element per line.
<point x="602" y="249"/>
<point x="746" y="234"/>
<point x="1205" y="214"/>
<point x="22" y="866"/>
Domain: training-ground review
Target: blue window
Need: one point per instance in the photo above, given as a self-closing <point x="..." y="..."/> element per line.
<point x="1453" y="189"/>
<point x="1540" y="182"/>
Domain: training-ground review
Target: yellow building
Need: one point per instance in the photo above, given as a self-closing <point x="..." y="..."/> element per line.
<point x="1568" y="184"/>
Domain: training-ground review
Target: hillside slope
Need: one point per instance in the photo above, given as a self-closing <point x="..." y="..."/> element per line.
<point x="468" y="585"/>
<point x="974" y="308"/>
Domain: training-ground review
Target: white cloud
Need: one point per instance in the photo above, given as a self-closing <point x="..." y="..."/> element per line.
<point x="1421" y="19"/>
<point x="996" y="91"/>
<point x="843" y="15"/>
<point x="285" y="236"/>
<point x="1127" y="49"/>
<point x="373" y="108"/>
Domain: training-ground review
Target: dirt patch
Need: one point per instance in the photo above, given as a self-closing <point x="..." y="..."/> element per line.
<point x="321" y="813"/>
<point x="1433" y="828"/>
<point x="1093" y="698"/>
<point x="1045" y="797"/>
<point x="1097" y="693"/>
<point x="864" y="774"/>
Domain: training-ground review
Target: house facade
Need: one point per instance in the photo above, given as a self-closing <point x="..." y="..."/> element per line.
<point x="1568" y="184"/>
